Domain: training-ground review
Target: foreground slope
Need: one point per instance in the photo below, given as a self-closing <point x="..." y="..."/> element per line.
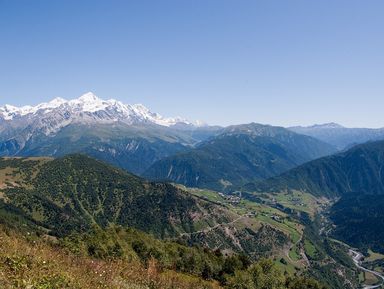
<point x="238" y="155"/>
<point x="30" y="261"/>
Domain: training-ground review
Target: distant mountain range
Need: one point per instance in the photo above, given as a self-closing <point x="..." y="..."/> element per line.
<point x="339" y="136"/>
<point x="129" y="136"/>
<point x="175" y="149"/>
<point x="86" y="108"/>
<point x="239" y="154"/>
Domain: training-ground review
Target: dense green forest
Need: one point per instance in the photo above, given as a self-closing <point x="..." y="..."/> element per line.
<point x="87" y="192"/>
<point x="359" y="220"/>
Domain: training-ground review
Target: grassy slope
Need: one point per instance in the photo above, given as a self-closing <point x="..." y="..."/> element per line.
<point x="27" y="261"/>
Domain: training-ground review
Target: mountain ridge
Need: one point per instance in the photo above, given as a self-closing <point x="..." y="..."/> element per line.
<point x="89" y="104"/>
<point x="238" y="154"/>
<point x="340" y="136"/>
<point x="355" y="170"/>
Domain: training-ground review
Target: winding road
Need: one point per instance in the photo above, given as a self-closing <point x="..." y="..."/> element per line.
<point x="302" y="253"/>
<point x="207" y="230"/>
<point x="356" y="257"/>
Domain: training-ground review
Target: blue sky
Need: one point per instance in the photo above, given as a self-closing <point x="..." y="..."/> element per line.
<point x="225" y="62"/>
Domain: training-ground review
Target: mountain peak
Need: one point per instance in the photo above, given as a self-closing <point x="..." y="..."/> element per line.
<point x="10" y="108"/>
<point x="328" y="125"/>
<point x="89" y="102"/>
<point x="255" y="129"/>
<point x="95" y="109"/>
<point x="58" y="101"/>
<point x="89" y="97"/>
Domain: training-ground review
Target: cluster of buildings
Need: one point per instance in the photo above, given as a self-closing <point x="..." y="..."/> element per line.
<point x="231" y="198"/>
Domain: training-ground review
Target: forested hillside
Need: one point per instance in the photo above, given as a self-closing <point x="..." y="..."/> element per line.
<point x="360" y="169"/>
<point x="238" y="155"/>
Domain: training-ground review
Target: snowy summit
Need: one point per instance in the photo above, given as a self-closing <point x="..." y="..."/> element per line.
<point x="89" y="107"/>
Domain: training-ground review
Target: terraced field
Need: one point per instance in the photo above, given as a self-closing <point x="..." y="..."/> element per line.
<point x="256" y="214"/>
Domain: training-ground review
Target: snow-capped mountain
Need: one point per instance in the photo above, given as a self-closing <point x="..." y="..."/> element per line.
<point x="86" y="108"/>
<point x="330" y="125"/>
<point x="129" y="136"/>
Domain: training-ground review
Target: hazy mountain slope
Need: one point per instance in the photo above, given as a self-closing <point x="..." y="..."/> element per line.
<point x="360" y="169"/>
<point x="339" y="136"/>
<point x="133" y="148"/>
<point x="238" y="155"/>
<point x="129" y="136"/>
